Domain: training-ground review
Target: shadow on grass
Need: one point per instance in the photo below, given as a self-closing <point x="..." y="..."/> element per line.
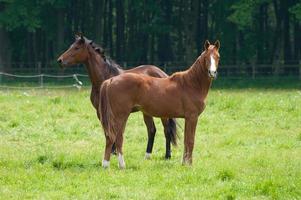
<point x="257" y="83"/>
<point x="62" y="164"/>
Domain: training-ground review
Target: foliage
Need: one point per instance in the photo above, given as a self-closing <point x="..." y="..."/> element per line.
<point x="156" y="32"/>
<point x="296" y="10"/>
<point x="24" y="14"/>
<point x="243" y="13"/>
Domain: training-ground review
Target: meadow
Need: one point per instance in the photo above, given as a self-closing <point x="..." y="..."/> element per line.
<point x="248" y="146"/>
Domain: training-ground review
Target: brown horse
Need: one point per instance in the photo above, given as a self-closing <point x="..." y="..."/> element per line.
<point x="100" y="68"/>
<point x="182" y="95"/>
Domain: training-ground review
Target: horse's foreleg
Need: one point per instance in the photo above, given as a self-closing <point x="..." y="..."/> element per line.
<point x="167" y="138"/>
<point x="189" y="136"/>
<point x="106" y="159"/>
<point x="151" y="131"/>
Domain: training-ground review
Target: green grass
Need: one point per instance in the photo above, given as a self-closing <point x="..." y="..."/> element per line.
<point x="248" y="146"/>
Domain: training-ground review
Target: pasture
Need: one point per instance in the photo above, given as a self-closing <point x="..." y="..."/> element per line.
<point x="248" y="146"/>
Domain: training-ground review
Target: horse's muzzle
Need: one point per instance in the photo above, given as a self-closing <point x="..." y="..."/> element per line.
<point x="212" y="74"/>
<point x="61" y="62"/>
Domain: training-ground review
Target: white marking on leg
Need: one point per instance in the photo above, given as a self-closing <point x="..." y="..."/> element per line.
<point x="105" y="164"/>
<point x="121" y="161"/>
<point x="147" y="156"/>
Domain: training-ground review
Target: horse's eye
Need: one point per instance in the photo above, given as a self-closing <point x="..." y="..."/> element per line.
<point x="76" y="48"/>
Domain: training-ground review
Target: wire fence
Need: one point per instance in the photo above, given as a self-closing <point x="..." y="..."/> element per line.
<point x="37" y="81"/>
<point x="76" y="77"/>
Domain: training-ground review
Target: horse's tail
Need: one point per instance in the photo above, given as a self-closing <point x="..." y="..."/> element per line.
<point x="107" y="117"/>
<point x="172" y="130"/>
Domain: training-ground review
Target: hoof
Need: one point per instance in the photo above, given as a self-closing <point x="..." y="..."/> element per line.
<point x="105" y="164"/>
<point x="167" y="157"/>
<point x="121" y="166"/>
<point x="147" y="156"/>
<point x="187" y="162"/>
<point x="121" y="161"/>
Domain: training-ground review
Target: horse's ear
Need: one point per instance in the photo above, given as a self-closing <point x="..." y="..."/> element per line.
<point x="217" y="44"/>
<point x="78" y="35"/>
<point x="206" y="44"/>
<point x="82" y="38"/>
<point x="98" y="50"/>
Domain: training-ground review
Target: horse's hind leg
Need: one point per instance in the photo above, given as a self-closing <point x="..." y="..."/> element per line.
<point x="151" y="131"/>
<point x="119" y="142"/>
<point x="106" y="160"/>
<point x="167" y="138"/>
<point x="113" y="150"/>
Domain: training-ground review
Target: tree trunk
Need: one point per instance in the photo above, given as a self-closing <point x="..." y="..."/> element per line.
<point x="190" y="30"/>
<point x="34" y="49"/>
<point x="164" y="41"/>
<point x="180" y="39"/>
<point x="202" y="24"/>
<point x="132" y="33"/>
<point x="105" y="24"/>
<point x="261" y="34"/>
<point x="110" y="27"/>
<point x="120" y="20"/>
<point x="98" y="12"/>
<point x="276" y="42"/>
<point x="60" y="30"/>
<point x="297" y="41"/>
<point x="286" y="30"/>
<point x="5" y="53"/>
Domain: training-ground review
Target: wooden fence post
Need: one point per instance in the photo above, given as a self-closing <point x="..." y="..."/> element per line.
<point x="1" y="74"/>
<point x="253" y="69"/>
<point x="300" y="69"/>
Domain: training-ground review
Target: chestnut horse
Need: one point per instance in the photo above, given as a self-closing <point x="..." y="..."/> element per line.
<point x="100" y="68"/>
<point x="182" y="95"/>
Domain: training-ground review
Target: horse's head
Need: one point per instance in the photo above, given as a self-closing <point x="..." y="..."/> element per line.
<point x="78" y="52"/>
<point x="211" y="58"/>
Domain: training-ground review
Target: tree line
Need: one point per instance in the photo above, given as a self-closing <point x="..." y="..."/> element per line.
<point x="147" y="31"/>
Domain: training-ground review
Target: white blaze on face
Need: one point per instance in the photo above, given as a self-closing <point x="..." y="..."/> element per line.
<point x="212" y="64"/>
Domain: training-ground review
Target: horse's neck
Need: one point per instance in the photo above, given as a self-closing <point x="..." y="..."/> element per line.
<point x="197" y="77"/>
<point x="96" y="69"/>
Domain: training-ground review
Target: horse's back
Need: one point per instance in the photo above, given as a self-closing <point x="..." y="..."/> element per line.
<point x="149" y="70"/>
<point x="127" y="84"/>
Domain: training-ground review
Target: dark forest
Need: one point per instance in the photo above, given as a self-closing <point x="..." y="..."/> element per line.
<point x="145" y="31"/>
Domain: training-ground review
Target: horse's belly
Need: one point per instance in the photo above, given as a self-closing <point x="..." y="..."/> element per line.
<point x="162" y="107"/>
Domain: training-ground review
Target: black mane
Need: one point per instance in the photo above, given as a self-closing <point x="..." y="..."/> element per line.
<point x="113" y="67"/>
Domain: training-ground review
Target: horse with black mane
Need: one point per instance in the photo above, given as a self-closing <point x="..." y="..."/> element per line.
<point x="182" y="95"/>
<point x="101" y="68"/>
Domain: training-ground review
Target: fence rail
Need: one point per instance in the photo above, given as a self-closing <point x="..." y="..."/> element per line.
<point x="11" y="83"/>
<point x="76" y="77"/>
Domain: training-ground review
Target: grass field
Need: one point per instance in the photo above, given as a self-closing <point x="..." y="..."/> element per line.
<point x="248" y="146"/>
